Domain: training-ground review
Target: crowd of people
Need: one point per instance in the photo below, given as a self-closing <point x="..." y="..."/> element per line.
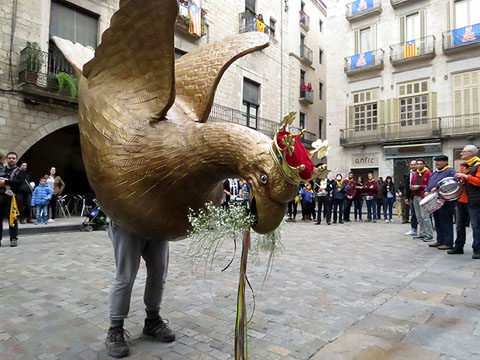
<point x="18" y="195"/>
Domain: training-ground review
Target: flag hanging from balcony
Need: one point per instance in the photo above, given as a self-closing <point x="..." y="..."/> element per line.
<point x="195" y="15"/>
<point x="260" y="26"/>
<point x="410" y="49"/>
<point x="361" y="60"/>
<point x="466" y="34"/>
<point x="361" y="5"/>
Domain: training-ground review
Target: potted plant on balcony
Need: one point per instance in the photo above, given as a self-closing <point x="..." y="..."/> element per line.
<point x="33" y="62"/>
<point x="67" y="85"/>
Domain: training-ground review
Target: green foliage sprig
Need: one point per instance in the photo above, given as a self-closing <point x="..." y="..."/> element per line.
<point x="67" y="85"/>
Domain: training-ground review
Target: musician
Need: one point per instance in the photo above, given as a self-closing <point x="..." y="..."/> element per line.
<point x="444" y="216"/>
<point x="419" y="182"/>
<point x="468" y="205"/>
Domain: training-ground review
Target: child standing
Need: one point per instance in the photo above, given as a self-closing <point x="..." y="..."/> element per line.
<point x="40" y="198"/>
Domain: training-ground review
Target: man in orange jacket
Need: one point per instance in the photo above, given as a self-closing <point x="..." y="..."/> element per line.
<point x="469" y="203"/>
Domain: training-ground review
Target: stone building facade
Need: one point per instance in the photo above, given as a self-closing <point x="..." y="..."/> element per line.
<point x="404" y="82"/>
<point x="38" y="108"/>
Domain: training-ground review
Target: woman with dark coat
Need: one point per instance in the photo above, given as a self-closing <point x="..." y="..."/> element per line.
<point x="388" y="191"/>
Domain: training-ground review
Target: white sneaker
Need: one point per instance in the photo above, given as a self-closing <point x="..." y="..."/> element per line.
<point x="411" y="233"/>
<point x="391" y="220"/>
<point x="51" y="220"/>
<point x="387" y="221"/>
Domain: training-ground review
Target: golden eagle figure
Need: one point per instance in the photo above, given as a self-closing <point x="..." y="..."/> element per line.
<point x="148" y="149"/>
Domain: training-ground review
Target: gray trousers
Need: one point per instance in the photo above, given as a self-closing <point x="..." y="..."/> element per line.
<point x="128" y="250"/>
<point x="423" y="217"/>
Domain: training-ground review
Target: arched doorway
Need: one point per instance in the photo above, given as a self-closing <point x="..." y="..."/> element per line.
<point x="60" y="149"/>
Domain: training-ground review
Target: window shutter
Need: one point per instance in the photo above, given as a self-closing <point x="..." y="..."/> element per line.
<point x="432" y="105"/>
<point x="423" y="23"/>
<point x="449" y="12"/>
<point x="350" y="119"/>
<point x="381" y="112"/>
<point x="389" y="111"/>
<point x="475" y="100"/>
<point x="402" y="29"/>
<point x="357" y="41"/>
<point x="395" y="110"/>
<point x="458" y="102"/>
<point x="373" y="33"/>
<point x="466" y="101"/>
<point x="251" y="92"/>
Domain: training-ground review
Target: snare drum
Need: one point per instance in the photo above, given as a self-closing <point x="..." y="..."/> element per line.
<point x="432" y="202"/>
<point x="450" y="189"/>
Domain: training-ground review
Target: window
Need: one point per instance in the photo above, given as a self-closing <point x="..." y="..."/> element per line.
<point x="302" y="120"/>
<point x="466" y="93"/>
<point x="365" y="110"/>
<point x="320" y="56"/>
<point x="250" y="6"/>
<point x="365" y="40"/>
<point x="412" y="28"/>
<point x="73" y="24"/>
<point x="272" y="27"/>
<point x="467" y="12"/>
<point x="250" y="104"/>
<point x="320" y="128"/>
<point x="320" y="90"/>
<point x="414" y="103"/>
<point x="320" y="23"/>
<point x="179" y="53"/>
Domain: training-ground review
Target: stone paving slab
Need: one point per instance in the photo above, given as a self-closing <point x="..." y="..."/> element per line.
<point x="352" y="291"/>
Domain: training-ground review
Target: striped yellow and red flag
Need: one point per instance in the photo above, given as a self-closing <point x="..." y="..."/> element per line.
<point x="410" y="49"/>
<point x="195" y="15"/>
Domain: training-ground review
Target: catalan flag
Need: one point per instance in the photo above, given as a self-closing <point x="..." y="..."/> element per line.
<point x="14" y="212"/>
<point x="195" y="15"/>
<point x="260" y="26"/>
<point x="410" y="49"/>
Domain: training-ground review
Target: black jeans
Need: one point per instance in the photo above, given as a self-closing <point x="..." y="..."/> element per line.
<point x="292" y="209"/>
<point x="5" y="203"/>
<point x="358" y="209"/>
<point x="444" y="223"/>
<point x="324" y="201"/>
<point x="53" y="205"/>
<point x="379" y="206"/>
<point x="347" y="208"/>
<point x="23" y="201"/>
<point x="338" y="204"/>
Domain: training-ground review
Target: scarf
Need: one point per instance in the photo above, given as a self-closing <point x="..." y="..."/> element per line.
<point x="444" y="168"/>
<point x="339" y="183"/>
<point x="472" y="161"/>
<point x="372" y="180"/>
<point x="421" y="172"/>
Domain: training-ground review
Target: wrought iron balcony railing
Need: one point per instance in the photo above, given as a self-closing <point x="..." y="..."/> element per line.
<point x="304" y="21"/>
<point x="461" y="38"/>
<point x="184" y="21"/>
<point x="414" y="49"/>
<point x="414" y="129"/>
<point x="306" y="96"/>
<point x="221" y="113"/>
<point x="306" y="54"/>
<point x="249" y="22"/>
<point x="367" y="61"/>
<point x="307" y="138"/>
<point x="40" y="69"/>
<point x="360" y="8"/>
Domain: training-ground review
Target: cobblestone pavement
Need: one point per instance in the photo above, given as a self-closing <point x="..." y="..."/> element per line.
<point x="352" y="291"/>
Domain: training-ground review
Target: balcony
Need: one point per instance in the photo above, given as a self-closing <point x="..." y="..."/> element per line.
<point x="304" y="21"/>
<point x="363" y="8"/>
<point x="409" y="51"/>
<point x="183" y="21"/>
<point x="364" y="62"/>
<point x="461" y="38"/>
<point x="397" y="3"/>
<point x="225" y="114"/>
<point x="306" y="96"/>
<point x="249" y="22"/>
<point x="416" y="129"/>
<point x="39" y="74"/>
<point x="307" y="138"/>
<point x="306" y="54"/>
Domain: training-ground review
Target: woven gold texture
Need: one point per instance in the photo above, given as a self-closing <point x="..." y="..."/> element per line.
<point x="149" y="155"/>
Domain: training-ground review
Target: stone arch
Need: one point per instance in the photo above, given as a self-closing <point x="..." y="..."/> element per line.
<point x="41" y="132"/>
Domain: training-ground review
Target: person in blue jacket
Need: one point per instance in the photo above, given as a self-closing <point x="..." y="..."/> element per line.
<point x="40" y="199"/>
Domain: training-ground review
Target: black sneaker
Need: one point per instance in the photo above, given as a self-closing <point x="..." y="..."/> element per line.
<point x="158" y="329"/>
<point x="13" y="242"/>
<point x="455" y="251"/>
<point x="116" y="345"/>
